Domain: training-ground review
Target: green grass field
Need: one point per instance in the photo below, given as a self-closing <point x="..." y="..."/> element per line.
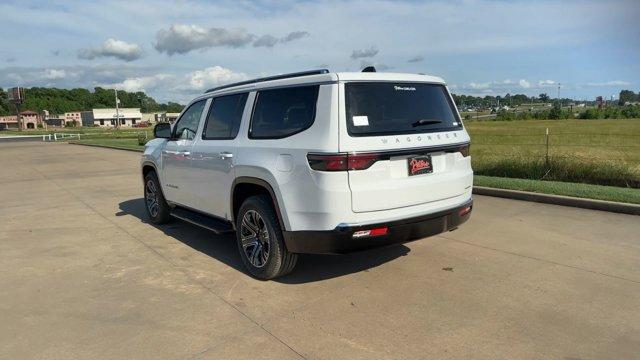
<point x="584" y="150"/>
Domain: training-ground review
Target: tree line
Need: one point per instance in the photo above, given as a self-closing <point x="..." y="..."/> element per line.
<point x="59" y="101"/>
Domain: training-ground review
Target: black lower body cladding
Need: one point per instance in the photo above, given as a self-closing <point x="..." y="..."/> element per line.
<point x="341" y="239"/>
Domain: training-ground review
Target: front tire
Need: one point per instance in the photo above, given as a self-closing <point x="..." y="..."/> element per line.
<point x="260" y="240"/>
<point x="157" y="208"/>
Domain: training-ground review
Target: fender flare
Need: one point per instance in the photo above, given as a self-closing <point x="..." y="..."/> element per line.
<point x="260" y="182"/>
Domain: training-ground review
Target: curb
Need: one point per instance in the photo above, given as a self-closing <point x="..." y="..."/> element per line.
<point x="107" y="146"/>
<point x="591" y="204"/>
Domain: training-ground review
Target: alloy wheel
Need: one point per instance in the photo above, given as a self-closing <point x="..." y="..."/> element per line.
<point x="254" y="237"/>
<point x="151" y="198"/>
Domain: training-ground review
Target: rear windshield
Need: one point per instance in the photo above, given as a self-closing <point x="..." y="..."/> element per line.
<point x="386" y="108"/>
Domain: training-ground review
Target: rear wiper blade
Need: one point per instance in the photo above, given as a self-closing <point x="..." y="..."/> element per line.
<point x="422" y="122"/>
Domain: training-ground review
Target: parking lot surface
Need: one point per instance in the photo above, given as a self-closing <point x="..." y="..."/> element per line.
<point x="83" y="275"/>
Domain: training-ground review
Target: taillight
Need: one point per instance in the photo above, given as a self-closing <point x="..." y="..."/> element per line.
<point x="341" y="162"/>
<point x="328" y="162"/>
<point x="464" y="150"/>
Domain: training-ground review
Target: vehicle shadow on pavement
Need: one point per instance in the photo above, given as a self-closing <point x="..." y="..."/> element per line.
<point x="310" y="268"/>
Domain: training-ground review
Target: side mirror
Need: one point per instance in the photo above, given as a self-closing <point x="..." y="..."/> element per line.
<point x="162" y="130"/>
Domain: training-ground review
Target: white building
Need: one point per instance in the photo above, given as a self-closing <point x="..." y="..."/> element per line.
<point x="107" y="117"/>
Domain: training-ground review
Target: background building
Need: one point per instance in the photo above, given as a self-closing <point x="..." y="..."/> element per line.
<point x="71" y="117"/>
<point x="107" y="117"/>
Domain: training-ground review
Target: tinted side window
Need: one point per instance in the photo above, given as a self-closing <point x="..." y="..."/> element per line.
<point x="280" y="113"/>
<point x="224" y="117"/>
<point x="187" y="125"/>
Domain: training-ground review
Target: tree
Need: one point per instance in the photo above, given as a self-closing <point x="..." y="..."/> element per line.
<point x="628" y="96"/>
<point x="543" y="97"/>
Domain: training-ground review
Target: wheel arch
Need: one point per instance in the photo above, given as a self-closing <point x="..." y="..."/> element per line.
<point x="148" y="167"/>
<point x="244" y="187"/>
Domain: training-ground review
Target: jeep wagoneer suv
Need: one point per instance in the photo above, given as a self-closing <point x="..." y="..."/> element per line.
<point x="313" y="162"/>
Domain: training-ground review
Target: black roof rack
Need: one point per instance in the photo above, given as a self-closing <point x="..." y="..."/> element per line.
<point x="269" y="78"/>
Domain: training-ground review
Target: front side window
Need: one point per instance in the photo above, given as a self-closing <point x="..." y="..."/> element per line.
<point x="386" y="108"/>
<point x="225" y="114"/>
<point x="279" y="113"/>
<point x="187" y="125"/>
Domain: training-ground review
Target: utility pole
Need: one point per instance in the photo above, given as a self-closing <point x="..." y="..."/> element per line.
<point x="117" y="109"/>
<point x="559" y="101"/>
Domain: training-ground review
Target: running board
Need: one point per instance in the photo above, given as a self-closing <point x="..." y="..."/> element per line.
<point x="218" y="226"/>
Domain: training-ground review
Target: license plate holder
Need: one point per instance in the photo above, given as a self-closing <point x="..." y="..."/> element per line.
<point x="418" y="165"/>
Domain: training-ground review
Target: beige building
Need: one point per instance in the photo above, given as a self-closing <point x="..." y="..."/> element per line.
<point x="30" y="120"/>
<point x="107" y="117"/>
<point x="70" y="117"/>
<point x="8" y="122"/>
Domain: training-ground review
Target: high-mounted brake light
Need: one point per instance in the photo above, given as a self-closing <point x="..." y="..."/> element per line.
<point x="341" y="162"/>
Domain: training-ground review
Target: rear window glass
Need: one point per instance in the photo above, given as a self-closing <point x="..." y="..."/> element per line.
<point x="280" y="113"/>
<point x="383" y="108"/>
<point x="224" y="117"/>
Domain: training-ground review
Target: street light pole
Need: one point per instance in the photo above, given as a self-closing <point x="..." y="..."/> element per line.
<point x="117" y="110"/>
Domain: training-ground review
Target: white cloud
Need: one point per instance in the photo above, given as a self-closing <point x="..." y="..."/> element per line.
<point x="213" y="76"/>
<point x="142" y="83"/>
<point x="543" y="83"/>
<point x="54" y="74"/>
<point x="524" y="83"/>
<point x="364" y="53"/>
<point x="112" y="48"/>
<point x="180" y="39"/>
<point x="609" y="83"/>
<point x="416" y="59"/>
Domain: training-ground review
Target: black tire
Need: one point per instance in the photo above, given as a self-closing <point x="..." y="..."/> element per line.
<point x="154" y="203"/>
<point x="273" y="259"/>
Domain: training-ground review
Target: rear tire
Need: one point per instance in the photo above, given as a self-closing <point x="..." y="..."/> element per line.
<point x="260" y="240"/>
<point x="157" y="208"/>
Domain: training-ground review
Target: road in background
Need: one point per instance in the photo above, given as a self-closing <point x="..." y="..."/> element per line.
<point x="84" y="276"/>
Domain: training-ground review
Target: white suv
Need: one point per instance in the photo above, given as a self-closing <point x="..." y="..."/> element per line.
<point x="313" y="162"/>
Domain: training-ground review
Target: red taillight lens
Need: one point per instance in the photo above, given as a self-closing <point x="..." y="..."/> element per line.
<point x="341" y="162"/>
<point x="328" y="162"/>
<point x="464" y="150"/>
<point x="361" y="161"/>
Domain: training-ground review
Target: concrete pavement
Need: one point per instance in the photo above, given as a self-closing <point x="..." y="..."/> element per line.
<point x="82" y="275"/>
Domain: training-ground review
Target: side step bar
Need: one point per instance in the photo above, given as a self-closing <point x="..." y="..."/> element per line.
<point x="211" y="223"/>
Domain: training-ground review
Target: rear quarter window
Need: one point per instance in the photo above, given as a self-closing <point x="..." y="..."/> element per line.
<point x="278" y="113"/>
<point x="387" y="108"/>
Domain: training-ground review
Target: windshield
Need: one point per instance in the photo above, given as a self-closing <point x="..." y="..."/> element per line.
<point x="386" y="108"/>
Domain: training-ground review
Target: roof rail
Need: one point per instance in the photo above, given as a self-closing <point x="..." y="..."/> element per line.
<point x="269" y="78"/>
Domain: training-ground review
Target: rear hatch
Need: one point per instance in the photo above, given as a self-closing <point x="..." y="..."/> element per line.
<point x="406" y="145"/>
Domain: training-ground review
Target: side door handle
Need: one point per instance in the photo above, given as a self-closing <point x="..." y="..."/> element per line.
<point x="226" y="155"/>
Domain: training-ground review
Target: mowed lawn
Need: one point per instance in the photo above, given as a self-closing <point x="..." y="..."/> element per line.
<point x="603" y="141"/>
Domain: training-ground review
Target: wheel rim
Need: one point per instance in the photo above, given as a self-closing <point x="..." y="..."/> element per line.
<point x="254" y="238"/>
<point x="151" y="198"/>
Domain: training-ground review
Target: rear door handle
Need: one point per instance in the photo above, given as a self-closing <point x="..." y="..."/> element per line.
<point x="226" y="155"/>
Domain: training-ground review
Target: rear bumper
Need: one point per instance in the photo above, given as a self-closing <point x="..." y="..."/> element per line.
<point x="340" y="240"/>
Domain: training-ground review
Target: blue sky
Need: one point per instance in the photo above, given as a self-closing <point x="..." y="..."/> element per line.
<point x="176" y="49"/>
